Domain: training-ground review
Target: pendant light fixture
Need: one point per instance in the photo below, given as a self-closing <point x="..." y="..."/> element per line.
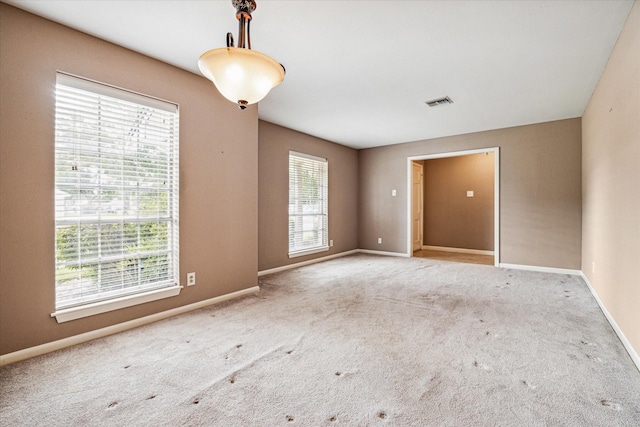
<point x="242" y="75"/>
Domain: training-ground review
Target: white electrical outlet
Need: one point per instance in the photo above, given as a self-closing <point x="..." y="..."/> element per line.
<point x="330" y="242"/>
<point x="191" y="279"/>
<point x="393" y="193"/>
<point x="379" y="240"/>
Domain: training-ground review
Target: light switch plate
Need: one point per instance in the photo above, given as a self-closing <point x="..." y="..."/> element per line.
<point x="470" y="193"/>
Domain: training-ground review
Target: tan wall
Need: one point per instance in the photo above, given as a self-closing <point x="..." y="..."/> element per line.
<point x="218" y="175"/>
<point x="451" y="219"/>
<point x="274" y="145"/>
<point x="540" y="195"/>
<point x="611" y="183"/>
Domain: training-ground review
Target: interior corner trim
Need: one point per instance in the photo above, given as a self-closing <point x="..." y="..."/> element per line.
<point x="302" y="263"/>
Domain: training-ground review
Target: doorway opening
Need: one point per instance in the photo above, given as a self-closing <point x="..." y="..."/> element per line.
<point x="458" y="203"/>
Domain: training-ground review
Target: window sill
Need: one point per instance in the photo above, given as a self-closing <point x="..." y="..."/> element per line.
<point x="308" y="252"/>
<point x="87" y="310"/>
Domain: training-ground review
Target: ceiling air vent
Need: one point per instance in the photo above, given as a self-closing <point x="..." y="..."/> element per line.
<point x="439" y="101"/>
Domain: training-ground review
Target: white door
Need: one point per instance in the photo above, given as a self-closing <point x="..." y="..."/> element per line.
<point x="416" y="203"/>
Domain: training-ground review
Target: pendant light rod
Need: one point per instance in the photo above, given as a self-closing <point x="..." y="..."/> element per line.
<point x="244" y="9"/>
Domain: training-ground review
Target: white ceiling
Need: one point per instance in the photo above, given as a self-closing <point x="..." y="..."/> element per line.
<point x="359" y="72"/>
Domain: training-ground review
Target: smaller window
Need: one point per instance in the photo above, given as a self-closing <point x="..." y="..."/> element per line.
<point x="308" y="204"/>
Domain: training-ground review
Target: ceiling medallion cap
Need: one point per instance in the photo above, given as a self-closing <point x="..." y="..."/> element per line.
<point x="246" y="6"/>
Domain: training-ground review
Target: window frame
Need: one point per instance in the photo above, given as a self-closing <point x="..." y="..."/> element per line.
<point x="322" y="192"/>
<point x="167" y="283"/>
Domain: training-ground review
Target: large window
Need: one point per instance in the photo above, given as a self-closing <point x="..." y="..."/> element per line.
<point x="116" y="194"/>
<point x="308" y="204"/>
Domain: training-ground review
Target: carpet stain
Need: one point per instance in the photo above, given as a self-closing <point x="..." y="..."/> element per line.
<point x="432" y="387"/>
<point x="382" y="415"/>
<point x="113" y="405"/>
<point x="595" y="358"/>
<point x="196" y="401"/>
<point x="153" y="396"/>
<point x="528" y="384"/>
<point x="481" y="366"/>
<point x="610" y="404"/>
<point x="289" y="418"/>
<point x="127" y="367"/>
<point x="399" y="301"/>
<point x="332" y="419"/>
<point x="338" y="374"/>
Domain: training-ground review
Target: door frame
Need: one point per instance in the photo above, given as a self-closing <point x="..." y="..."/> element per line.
<point x="496" y="193"/>
<point x="413" y="164"/>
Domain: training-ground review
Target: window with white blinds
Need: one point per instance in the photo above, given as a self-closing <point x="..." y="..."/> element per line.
<point x="116" y="193"/>
<point x="308" y="204"/>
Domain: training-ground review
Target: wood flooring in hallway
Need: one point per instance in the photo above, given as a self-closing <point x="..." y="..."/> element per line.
<point x="455" y="256"/>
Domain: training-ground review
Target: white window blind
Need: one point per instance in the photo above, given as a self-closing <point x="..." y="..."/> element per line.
<point x="116" y="192"/>
<point x="308" y="204"/>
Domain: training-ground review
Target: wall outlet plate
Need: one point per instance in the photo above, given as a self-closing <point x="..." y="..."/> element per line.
<point x="191" y="279"/>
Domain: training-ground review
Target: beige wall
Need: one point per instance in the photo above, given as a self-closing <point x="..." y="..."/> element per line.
<point x="611" y="183"/>
<point x="451" y="219"/>
<point x="274" y="145"/>
<point x="540" y="196"/>
<point x="218" y="175"/>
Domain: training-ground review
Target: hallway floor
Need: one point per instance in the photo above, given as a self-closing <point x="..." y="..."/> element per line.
<point x="455" y="257"/>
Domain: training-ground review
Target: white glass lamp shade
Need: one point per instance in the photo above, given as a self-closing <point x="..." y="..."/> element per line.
<point x="241" y="74"/>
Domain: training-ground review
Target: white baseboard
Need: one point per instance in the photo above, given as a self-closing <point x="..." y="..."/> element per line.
<point x="458" y="250"/>
<point x="623" y="339"/>
<point x="326" y="258"/>
<point x="541" y="269"/>
<point x="303" y="263"/>
<point x="372" y="252"/>
<point x="39" y="350"/>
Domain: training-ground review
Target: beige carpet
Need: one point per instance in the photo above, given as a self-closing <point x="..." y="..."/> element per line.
<point x="357" y="341"/>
